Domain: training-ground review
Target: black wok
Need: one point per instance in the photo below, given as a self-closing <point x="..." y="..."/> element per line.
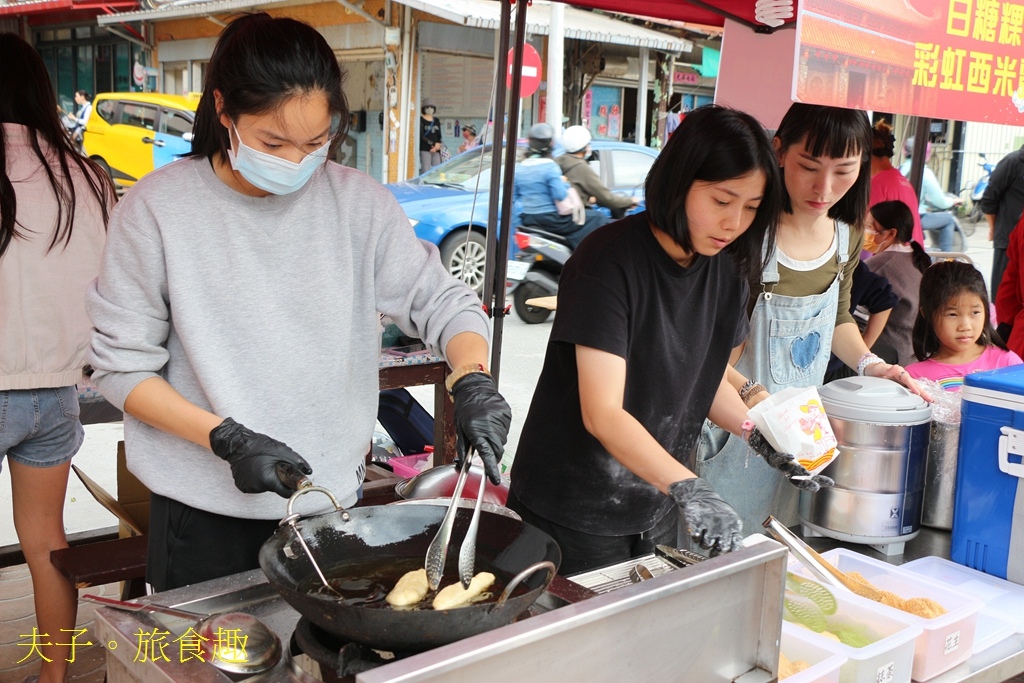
<point x="386" y="541"/>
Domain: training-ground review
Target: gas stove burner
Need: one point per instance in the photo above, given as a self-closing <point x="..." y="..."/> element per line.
<point x="343" y="659"/>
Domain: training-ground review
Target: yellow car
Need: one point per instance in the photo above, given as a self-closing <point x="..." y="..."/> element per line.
<point x="129" y="134"/>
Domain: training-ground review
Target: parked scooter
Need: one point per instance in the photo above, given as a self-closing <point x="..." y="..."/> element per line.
<point x="978" y="189"/>
<point x="535" y="270"/>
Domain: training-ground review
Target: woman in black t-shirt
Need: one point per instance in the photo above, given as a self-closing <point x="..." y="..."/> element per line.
<point x="649" y="309"/>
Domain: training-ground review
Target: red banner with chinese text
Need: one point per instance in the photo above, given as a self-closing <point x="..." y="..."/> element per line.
<point x="947" y="59"/>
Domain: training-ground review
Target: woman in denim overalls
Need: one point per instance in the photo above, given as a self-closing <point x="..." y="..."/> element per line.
<point x="801" y="311"/>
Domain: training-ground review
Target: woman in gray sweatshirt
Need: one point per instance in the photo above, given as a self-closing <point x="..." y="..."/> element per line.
<point x="243" y="285"/>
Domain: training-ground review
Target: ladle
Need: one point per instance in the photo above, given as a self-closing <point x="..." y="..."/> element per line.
<point x="234" y="642"/>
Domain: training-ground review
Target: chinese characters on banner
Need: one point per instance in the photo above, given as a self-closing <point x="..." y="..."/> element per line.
<point x="950" y="59"/>
<point x="227" y="645"/>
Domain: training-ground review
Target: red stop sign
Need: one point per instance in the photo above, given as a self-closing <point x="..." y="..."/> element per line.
<point x="531" y="70"/>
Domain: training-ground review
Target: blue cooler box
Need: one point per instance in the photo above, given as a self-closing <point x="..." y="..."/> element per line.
<point x="988" y="518"/>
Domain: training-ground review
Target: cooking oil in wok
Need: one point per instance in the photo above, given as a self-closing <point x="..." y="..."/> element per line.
<point x="367" y="583"/>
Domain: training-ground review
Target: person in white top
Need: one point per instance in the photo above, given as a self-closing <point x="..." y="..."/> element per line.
<point x="54" y="205"/>
<point x="81" y="117"/>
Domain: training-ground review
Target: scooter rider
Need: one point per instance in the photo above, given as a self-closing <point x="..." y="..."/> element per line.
<point x="576" y="142"/>
<point x="934" y="202"/>
<point x="539" y="184"/>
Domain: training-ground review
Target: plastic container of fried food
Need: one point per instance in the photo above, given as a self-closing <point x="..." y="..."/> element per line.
<point x="887" y="652"/>
<point x="824" y="663"/>
<point x="944" y="641"/>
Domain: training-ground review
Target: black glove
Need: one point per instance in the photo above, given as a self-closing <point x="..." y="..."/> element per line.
<point x="255" y="458"/>
<point x="787" y="464"/>
<point x="709" y="520"/>
<point x="482" y="420"/>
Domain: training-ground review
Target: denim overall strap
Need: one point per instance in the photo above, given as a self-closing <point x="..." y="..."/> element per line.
<point x="789" y="345"/>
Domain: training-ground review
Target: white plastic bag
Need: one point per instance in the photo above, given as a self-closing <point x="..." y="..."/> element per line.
<point x="794" y="421"/>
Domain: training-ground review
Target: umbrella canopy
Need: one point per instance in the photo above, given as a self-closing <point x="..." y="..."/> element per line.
<point x="710" y="12"/>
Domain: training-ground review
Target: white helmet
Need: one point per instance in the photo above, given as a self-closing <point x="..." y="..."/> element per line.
<point x="575" y="139"/>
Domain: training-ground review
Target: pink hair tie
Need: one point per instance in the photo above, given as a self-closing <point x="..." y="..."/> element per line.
<point x="746" y="428"/>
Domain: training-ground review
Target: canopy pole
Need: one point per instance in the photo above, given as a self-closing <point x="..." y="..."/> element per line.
<point x="556" y="67"/>
<point x="500" y="262"/>
<point x="917" y="158"/>
<point x="641" y="99"/>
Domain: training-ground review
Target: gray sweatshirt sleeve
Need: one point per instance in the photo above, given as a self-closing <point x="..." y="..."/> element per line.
<point x="414" y="289"/>
<point x="128" y="307"/>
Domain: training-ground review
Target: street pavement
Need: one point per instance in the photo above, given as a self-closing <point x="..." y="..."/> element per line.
<point x="521" y="360"/>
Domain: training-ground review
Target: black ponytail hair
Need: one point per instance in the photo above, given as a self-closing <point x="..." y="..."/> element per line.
<point x="940" y="283"/>
<point x="27" y="99"/>
<point x="896" y="215"/>
<point x="259" y="63"/>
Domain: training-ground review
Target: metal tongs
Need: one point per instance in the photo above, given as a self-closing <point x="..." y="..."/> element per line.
<point x="815" y="563"/>
<point x="437" y="553"/>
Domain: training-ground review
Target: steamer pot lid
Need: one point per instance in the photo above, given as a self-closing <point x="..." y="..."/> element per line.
<point x="873" y="400"/>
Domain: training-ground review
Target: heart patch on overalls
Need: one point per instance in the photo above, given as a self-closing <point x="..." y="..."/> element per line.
<point x="804" y="350"/>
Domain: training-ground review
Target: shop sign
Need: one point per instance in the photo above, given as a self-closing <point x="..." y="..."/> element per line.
<point x="686" y="78"/>
<point x="945" y="59"/>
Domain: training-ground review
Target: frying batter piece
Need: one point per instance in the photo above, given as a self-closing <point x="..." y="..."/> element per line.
<point x="409" y="590"/>
<point x="455" y="595"/>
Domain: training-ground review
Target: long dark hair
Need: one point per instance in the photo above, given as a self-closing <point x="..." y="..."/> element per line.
<point x="895" y="215"/>
<point x="260" y="62"/>
<point x="27" y="99"/>
<point x="836" y="133"/>
<point x="713" y="144"/>
<point x="940" y="283"/>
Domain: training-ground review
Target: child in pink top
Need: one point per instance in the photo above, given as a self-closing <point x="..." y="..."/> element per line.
<point x="953" y="333"/>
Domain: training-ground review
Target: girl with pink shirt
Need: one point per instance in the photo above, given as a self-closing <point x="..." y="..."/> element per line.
<point x="953" y="333"/>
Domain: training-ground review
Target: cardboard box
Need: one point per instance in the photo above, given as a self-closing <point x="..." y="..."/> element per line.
<point x="132" y="494"/>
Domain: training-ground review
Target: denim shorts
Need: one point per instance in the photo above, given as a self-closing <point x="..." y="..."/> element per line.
<point x="40" y="427"/>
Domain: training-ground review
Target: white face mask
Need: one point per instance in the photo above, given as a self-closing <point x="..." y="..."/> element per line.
<point x="273" y="174"/>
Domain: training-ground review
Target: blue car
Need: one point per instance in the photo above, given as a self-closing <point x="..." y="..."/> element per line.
<point x="441" y="207"/>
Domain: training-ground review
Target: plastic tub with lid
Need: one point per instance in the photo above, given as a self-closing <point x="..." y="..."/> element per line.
<point x="946" y="640"/>
<point x="883" y="434"/>
<point x="889" y="659"/>
<point x="1003" y="613"/>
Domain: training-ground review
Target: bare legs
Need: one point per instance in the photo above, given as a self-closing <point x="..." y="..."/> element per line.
<point x="39" y="520"/>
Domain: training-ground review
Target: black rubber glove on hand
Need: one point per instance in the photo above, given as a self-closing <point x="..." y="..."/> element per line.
<point x="254" y="458"/>
<point x="709" y="520"/>
<point x="482" y="421"/>
<point x="787" y="464"/>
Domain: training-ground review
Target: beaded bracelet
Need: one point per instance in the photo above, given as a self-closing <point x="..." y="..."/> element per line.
<point x="866" y="360"/>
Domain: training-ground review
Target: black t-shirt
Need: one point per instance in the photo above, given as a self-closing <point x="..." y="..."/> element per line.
<point x="675" y="327"/>
<point x="430" y="133"/>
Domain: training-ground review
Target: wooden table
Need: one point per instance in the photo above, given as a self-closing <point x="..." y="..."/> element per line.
<point x="394" y="373"/>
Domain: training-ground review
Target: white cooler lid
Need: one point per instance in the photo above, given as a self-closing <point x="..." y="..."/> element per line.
<point x="873" y="400"/>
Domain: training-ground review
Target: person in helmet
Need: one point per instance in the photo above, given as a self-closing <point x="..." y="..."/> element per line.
<point x="539" y="184"/>
<point x="934" y="202"/>
<point x="576" y="142"/>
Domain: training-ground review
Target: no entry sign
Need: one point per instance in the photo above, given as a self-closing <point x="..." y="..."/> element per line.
<point x="531" y="70"/>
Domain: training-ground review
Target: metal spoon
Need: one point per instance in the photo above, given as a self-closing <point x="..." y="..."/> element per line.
<point x="259" y="648"/>
<point x="640" y="573"/>
<point x="438" y="550"/>
<point x="467" y="553"/>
